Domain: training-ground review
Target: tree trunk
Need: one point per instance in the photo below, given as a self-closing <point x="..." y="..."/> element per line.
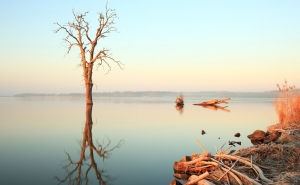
<point x="88" y="94"/>
<point x="87" y="71"/>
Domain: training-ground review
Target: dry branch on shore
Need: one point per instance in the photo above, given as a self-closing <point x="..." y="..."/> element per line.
<point x="277" y="162"/>
<point x="216" y="169"/>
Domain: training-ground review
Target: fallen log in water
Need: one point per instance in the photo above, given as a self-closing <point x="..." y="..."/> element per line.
<point x="213" y="102"/>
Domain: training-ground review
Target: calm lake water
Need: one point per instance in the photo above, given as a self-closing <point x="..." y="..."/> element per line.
<point x="38" y="134"/>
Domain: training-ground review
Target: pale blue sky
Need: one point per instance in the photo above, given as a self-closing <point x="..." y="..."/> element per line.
<point x="198" y="45"/>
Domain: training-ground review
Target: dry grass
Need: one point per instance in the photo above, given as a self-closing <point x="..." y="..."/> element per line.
<point x="287" y="105"/>
<point x="278" y="157"/>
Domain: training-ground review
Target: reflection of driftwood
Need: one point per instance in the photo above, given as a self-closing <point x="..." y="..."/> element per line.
<point x="213" y="102"/>
<point x="87" y="143"/>
<point x="214" y="107"/>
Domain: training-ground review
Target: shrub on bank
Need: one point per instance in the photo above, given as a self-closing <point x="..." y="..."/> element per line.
<point x="287" y="105"/>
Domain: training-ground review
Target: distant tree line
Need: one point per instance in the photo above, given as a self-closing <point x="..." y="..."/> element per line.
<point x="216" y="94"/>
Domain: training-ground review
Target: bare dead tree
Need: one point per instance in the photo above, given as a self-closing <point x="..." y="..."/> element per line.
<point x="78" y="35"/>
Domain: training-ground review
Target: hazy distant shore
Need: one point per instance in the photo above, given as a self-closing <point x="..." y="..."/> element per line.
<point x="265" y="94"/>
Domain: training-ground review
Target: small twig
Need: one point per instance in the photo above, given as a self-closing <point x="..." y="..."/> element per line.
<point x="222" y="147"/>
<point x="256" y="172"/>
<point x="228" y="180"/>
<point x="227" y="149"/>
<point x="216" y="149"/>
<point x="201" y="146"/>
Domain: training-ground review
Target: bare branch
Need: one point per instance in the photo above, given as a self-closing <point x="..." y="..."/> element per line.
<point x="109" y="68"/>
<point x="102" y="57"/>
<point x="69" y="32"/>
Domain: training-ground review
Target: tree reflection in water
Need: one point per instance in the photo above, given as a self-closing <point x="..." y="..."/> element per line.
<point x="75" y="174"/>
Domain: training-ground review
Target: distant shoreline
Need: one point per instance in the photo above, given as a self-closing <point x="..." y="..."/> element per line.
<point x="265" y="94"/>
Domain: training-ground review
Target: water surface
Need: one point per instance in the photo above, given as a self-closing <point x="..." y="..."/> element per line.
<point x="37" y="134"/>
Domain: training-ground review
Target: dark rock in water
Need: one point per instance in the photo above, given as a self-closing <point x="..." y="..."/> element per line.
<point x="237" y="135"/>
<point x="231" y="143"/>
<point x="234" y="142"/>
